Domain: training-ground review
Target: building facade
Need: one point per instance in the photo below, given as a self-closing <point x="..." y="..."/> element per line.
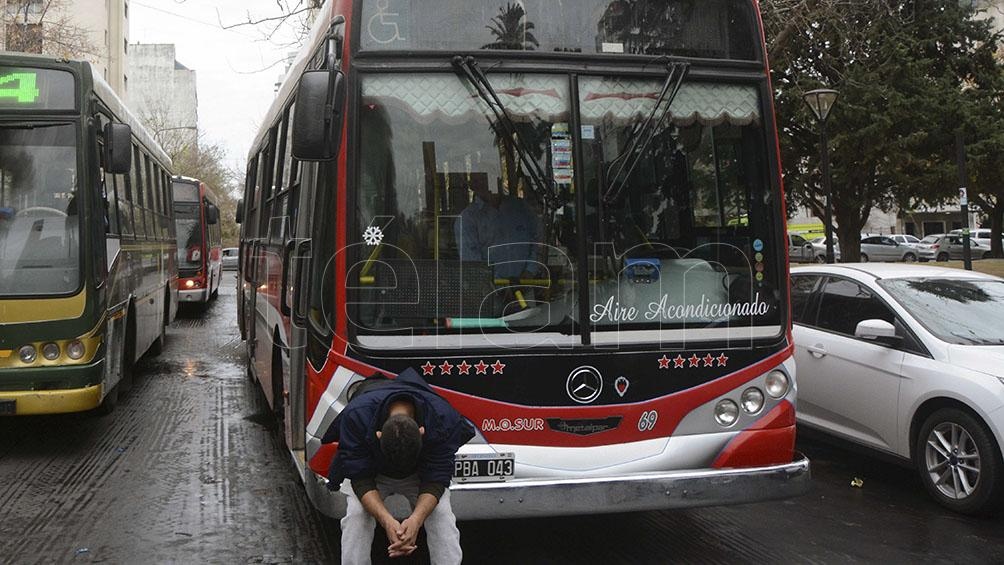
<point x="163" y="94"/>
<point x="91" y="30"/>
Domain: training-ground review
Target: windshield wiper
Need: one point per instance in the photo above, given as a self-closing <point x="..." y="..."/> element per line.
<point x="644" y="135"/>
<point x="469" y="69"/>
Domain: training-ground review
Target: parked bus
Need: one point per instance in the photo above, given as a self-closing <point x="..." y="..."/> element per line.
<point x="88" y="279"/>
<point x="200" y="241"/>
<point x="568" y="217"/>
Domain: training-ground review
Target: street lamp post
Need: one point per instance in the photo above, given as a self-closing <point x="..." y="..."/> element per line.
<point x="821" y="101"/>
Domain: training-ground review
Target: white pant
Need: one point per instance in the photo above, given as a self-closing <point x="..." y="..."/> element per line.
<point x="441" y="531"/>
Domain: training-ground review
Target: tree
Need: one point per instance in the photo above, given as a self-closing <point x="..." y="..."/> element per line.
<point x="983" y="133"/>
<point x="900" y="66"/>
<point x="511" y="30"/>
<point x="45" y="27"/>
<point x="297" y="16"/>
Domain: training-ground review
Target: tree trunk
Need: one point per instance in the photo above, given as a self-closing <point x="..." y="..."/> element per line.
<point x="849" y="235"/>
<point x="996" y="226"/>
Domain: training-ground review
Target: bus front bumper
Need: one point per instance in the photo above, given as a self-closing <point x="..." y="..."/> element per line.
<point x="525" y="498"/>
<point x="50" y="390"/>
<point x="200" y="295"/>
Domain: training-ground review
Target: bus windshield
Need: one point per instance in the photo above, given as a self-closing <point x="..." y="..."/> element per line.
<point x="189" y="232"/>
<point x="39" y="209"/>
<point x="457" y="231"/>
<point x="719" y="29"/>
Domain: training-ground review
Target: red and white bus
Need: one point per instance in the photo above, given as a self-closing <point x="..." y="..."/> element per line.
<point x="200" y="244"/>
<point x="568" y="217"/>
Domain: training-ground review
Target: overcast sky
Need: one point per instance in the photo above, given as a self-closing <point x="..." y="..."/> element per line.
<point x="234" y="86"/>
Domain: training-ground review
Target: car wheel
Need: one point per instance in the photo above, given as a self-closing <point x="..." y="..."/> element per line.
<point x="821" y="259"/>
<point x="943" y="257"/>
<point x="959" y="462"/>
<point x="864" y="257"/>
<point x="910" y="258"/>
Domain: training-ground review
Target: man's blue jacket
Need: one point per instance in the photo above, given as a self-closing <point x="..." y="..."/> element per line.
<point x="359" y="455"/>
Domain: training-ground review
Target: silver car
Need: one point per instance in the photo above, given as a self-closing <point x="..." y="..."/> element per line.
<point x="907" y="360"/>
<point x="800" y="250"/>
<point x="885" y="248"/>
<point x="819" y="246"/>
<point x="950" y="248"/>
<point x="230" y="258"/>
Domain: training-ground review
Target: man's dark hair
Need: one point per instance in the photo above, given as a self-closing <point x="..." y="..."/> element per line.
<point x="400" y="442"/>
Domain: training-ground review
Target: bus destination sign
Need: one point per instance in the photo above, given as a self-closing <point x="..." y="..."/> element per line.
<point x="36" y="89"/>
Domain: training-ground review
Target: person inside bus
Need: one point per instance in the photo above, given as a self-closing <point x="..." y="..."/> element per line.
<point x="500" y="228"/>
<point x="397" y="436"/>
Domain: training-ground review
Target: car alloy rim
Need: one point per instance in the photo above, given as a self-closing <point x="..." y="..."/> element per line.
<point x="953" y="461"/>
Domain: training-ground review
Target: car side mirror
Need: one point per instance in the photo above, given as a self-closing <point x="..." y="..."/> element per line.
<point x="317" y="121"/>
<point x="118" y="148"/>
<point x="876" y="330"/>
<point x="239" y="215"/>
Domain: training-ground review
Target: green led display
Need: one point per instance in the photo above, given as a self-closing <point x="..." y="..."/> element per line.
<point x="21" y="86"/>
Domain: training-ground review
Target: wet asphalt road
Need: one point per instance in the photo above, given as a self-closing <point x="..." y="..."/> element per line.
<point x="189" y="469"/>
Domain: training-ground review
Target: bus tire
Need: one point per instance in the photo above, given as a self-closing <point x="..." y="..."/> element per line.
<point x="158" y="345"/>
<point x="109" y="402"/>
<point x="127" y="373"/>
<point x="278" y="402"/>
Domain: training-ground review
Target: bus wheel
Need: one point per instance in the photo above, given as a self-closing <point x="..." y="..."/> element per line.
<point x="158" y="345"/>
<point x="126" y="379"/>
<point x="110" y="401"/>
<point x="278" y="401"/>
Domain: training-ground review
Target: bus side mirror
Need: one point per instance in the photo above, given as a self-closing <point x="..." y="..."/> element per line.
<point x="118" y="148"/>
<point x="317" y="122"/>
<point x="239" y="215"/>
<point x="212" y="214"/>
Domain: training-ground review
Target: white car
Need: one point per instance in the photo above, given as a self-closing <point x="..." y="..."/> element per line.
<point x="907" y="360"/>
<point x="979" y="235"/>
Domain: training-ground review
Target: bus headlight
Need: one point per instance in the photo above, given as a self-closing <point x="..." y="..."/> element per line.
<point x="27" y="354"/>
<point x="726" y="412"/>
<point x="777" y="384"/>
<point x="50" y="351"/>
<point x="75" y="349"/>
<point x="752" y="400"/>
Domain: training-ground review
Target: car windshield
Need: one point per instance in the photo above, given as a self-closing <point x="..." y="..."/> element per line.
<point x="487" y="206"/>
<point x="964" y="312"/>
<point x="39" y="210"/>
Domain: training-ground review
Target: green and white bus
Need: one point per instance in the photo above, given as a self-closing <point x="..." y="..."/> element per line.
<point x="88" y="274"/>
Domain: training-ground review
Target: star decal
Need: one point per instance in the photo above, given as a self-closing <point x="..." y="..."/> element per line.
<point x="722" y="360"/>
<point x="464" y="367"/>
<point x="481" y="368"/>
<point x="497" y="367"/>
<point x="678" y="362"/>
<point x="709" y="360"/>
<point x="428" y="368"/>
<point x="664" y="362"/>
<point x="446" y="368"/>
<point x="695" y="361"/>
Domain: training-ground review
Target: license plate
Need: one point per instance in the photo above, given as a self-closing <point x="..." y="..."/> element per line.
<point x="8" y="407"/>
<point x="484" y="467"/>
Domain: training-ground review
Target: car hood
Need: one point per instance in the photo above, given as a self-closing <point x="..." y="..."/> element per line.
<point x="987" y="359"/>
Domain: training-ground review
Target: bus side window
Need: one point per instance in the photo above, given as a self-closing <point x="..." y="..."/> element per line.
<point x="125" y="183"/>
<point x="152" y="228"/>
<point x="139" y="223"/>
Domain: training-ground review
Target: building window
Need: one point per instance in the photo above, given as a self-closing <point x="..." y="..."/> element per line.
<point x="125" y="46"/>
